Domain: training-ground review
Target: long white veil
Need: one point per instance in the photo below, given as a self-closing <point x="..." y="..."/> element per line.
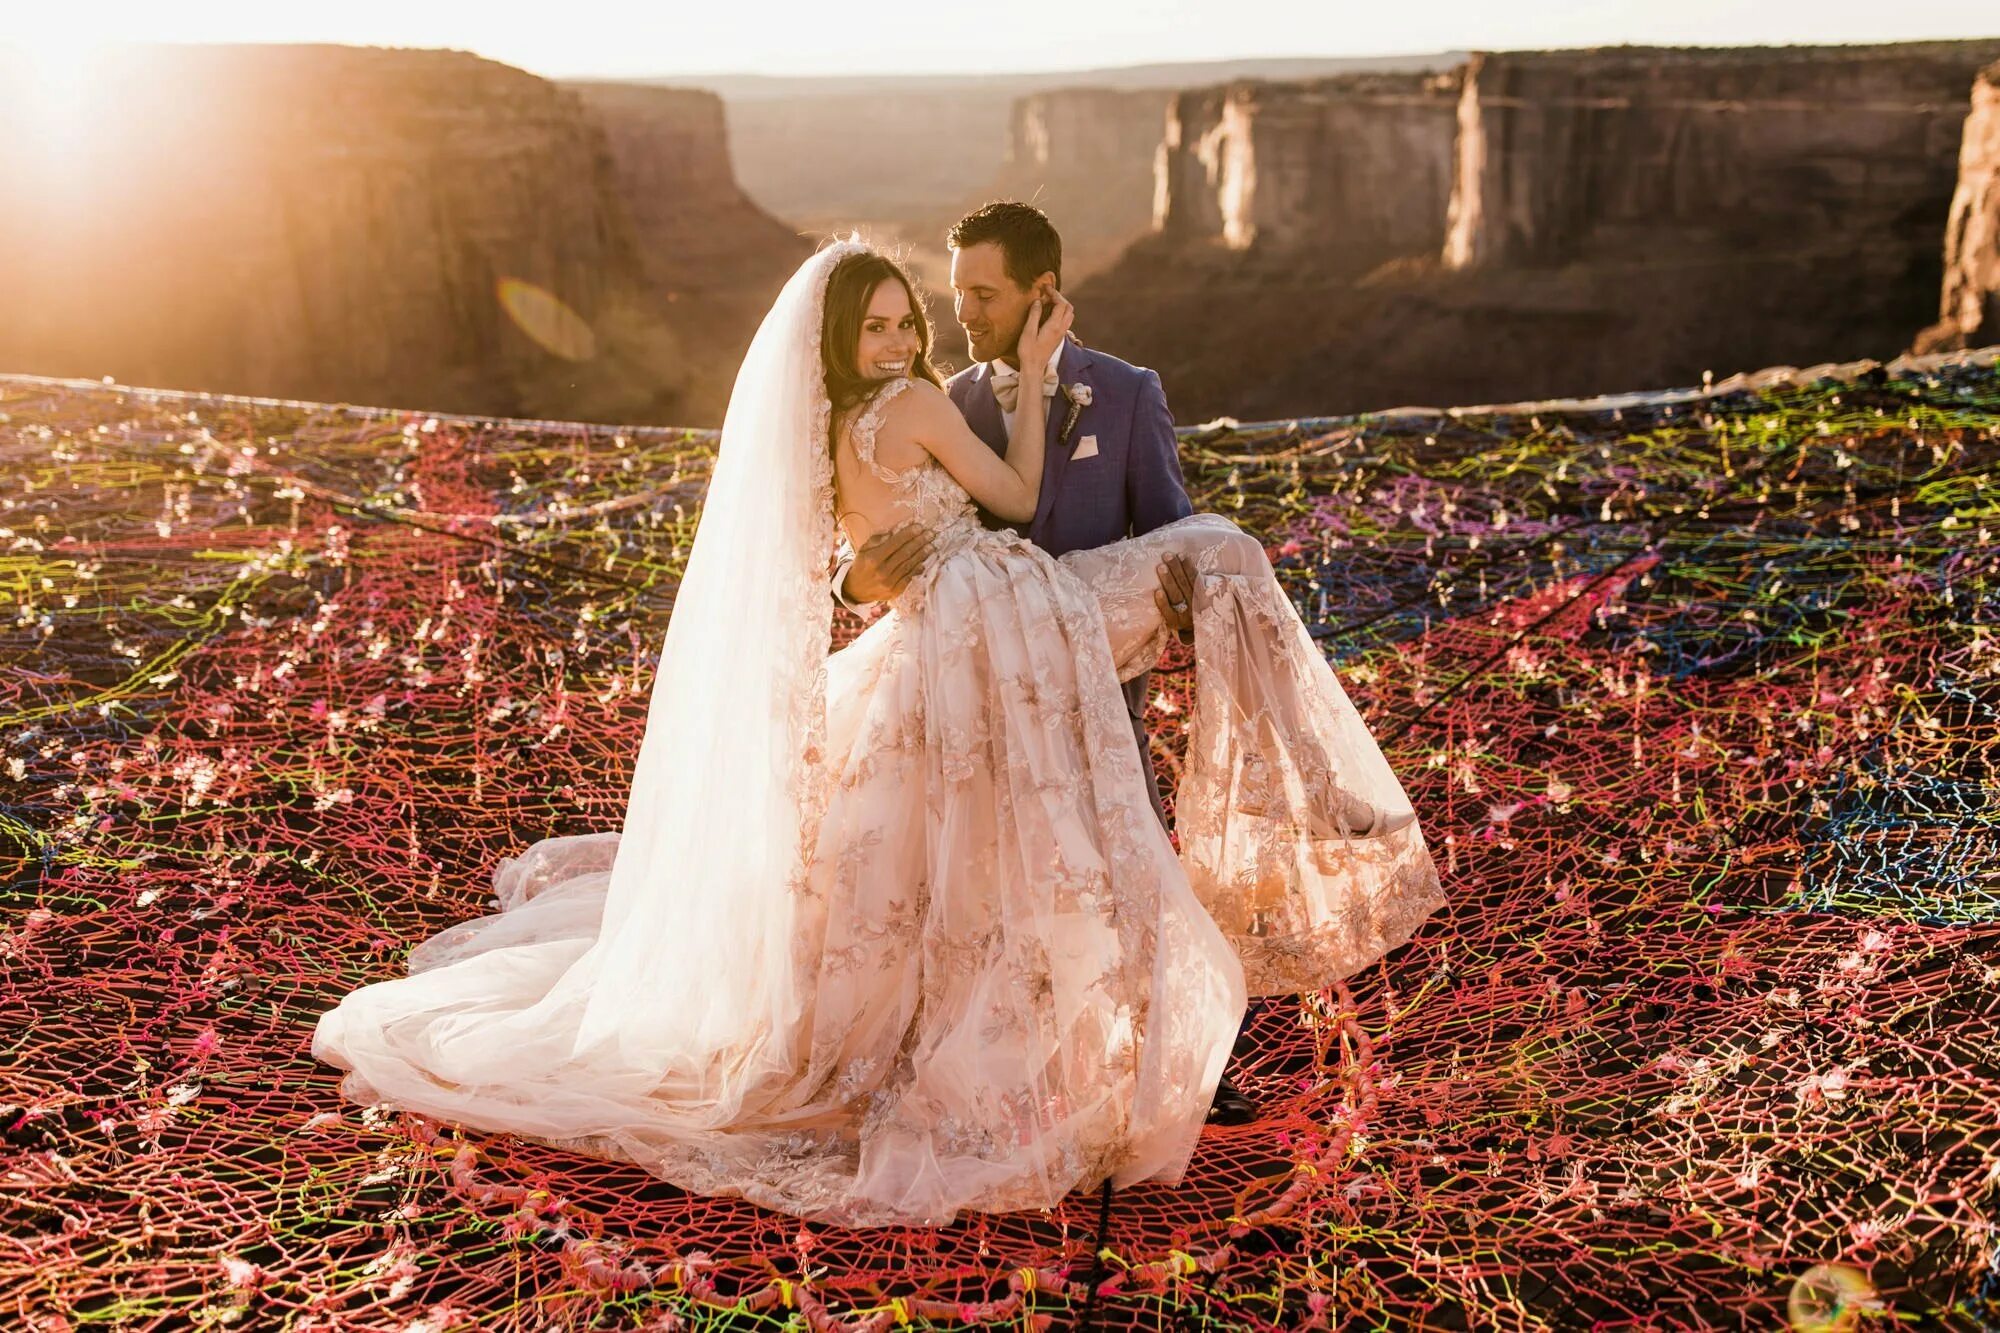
<point x="639" y="984"/>
<point x="728" y="792"/>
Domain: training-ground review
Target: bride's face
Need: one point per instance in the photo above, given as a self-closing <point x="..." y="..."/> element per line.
<point x="889" y="339"/>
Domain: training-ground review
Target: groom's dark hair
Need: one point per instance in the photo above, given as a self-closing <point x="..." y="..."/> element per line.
<point x="1024" y="233"/>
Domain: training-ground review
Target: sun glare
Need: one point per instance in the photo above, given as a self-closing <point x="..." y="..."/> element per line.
<point x="54" y="68"/>
<point x="55" y="86"/>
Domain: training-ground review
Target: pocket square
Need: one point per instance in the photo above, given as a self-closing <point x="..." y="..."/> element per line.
<point x="1085" y="448"/>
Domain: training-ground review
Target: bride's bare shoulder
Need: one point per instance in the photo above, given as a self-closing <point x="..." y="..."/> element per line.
<point x="923" y="394"/>
<point x="899" y="417"/>
<point x="918" y="402"/>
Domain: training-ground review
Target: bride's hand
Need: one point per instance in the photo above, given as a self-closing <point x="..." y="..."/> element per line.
<point x="1040" y="337"/>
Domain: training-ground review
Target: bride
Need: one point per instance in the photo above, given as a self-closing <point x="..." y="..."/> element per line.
<point x="895" y="932"/>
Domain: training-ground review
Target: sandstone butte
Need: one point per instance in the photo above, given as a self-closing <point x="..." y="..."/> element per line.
<point x="1548" y="223"/>
<point x="1969" y="313"/>
<point x="398" y="227"/>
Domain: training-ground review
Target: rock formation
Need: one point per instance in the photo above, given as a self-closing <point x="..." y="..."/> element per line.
<point x="883" y="150"/>
<point x="903" y="156"/>
<point x="1969" y="315"/>
<point x="393" y="226"/>
<point x="713" y="259"/>
<point x="832" y="160"/>
<point x="1085" y="156"/>
<point x="1566" y="156"/>
<point x="1358" y="165"/>
<point x="1627" y="216"/>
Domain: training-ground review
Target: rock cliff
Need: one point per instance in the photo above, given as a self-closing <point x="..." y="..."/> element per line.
<point x="1969" y="315"/>
<point x="1571" y="155"/>
<point x="834" y="159"/>
<point x="1359" y="165"/>
<point x="713" y="260"/>
<point x="887" y="150"/>
<point x="391" y="226"/>
<point x="1628" y="216"/>
<point x="1085" y="157"/>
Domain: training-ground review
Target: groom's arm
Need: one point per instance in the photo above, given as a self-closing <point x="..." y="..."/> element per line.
<point x="885" y="562"/>
<point x="1155" y="495"/>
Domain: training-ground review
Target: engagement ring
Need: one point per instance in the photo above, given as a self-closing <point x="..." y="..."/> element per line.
<point x="1180" y="606"/>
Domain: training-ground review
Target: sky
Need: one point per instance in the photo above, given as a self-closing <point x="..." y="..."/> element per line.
<point x="627" y="38"/>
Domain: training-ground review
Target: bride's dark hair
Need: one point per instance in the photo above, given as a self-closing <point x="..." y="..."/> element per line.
<point x="849" y="289"/>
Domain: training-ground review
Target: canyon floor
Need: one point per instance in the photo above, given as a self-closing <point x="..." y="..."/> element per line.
<point x="1698" y="697"/>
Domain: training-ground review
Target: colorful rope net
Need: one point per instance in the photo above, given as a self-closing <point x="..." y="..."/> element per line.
<point x="1699" y="702"/>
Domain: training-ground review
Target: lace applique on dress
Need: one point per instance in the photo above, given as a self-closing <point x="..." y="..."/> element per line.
<point x="862" y="433"/>
<point x="928" y="494"/>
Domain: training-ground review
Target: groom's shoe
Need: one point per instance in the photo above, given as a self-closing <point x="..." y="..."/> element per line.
<point x="1231" y="1107"/>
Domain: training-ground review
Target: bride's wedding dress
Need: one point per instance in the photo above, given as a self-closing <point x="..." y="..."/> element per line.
<point x="916" y="943"/>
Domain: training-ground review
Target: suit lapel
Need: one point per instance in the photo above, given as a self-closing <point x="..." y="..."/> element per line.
<point x="1073" y="367"/>
<point x="982" y="411"/>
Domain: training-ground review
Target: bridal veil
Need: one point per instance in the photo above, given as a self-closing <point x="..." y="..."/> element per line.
<point x="653" y="966"/>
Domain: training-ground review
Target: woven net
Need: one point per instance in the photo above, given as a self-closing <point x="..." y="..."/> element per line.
<point x="1699" y="702"/>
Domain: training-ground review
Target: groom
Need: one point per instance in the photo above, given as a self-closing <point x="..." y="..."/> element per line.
<point x="1112" y="466"/>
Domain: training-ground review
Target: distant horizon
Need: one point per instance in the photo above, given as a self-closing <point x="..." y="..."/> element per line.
<point x="1027" y="72"/>
<point x="1301" y="57"/>
<point x="796" y="40"/>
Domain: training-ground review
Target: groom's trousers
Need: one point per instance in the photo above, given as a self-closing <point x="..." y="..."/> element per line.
<point x="1136" y="692"/>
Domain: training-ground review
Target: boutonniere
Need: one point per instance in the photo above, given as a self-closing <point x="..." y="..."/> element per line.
<point x="1078" y="397"/>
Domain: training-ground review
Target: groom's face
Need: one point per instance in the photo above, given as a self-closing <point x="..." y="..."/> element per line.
<point x="991" y="307"/>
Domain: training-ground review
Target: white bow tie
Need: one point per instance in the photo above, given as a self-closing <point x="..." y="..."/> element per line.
<point x="1007" y="383"/>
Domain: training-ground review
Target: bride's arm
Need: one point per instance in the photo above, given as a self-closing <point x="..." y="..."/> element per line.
<point x="1008" y="487"/>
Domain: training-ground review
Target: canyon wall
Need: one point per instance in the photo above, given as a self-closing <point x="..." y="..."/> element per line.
<point x="1969" y="314"/>
<point x="827" y="161"/>
<point x="670" y="160"/>
<point x="714" y="261"/>
<point x="1627" y="217"/>
<point x="393" y="226"/>
<point x="886" y="150"/>
<point x="1566" y="155"/>
<point x="1085" y="156"/>
<point x="1359" y="165"/>
<point x="902" y="157"/>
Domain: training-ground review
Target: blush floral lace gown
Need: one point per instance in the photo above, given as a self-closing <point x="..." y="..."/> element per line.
<point x="1011" y="986"/>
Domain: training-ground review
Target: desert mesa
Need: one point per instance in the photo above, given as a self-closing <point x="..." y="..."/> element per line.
<point x="403" y="227"/>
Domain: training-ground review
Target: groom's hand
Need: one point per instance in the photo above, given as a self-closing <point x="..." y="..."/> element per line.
<point x="886" y="562"/>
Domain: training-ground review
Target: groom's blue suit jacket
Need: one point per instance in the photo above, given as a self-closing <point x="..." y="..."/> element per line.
<point x="1130" y="486"/>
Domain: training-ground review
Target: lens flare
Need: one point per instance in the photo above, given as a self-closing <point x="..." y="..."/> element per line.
<point x="1830" y="1298"/>
<point x="546" y="318"/>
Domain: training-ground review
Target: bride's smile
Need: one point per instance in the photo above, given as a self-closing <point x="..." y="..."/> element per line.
<point x="890" y="340"/>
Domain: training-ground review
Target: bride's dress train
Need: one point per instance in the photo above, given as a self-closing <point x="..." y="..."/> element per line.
<point x="997" y="981"/>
